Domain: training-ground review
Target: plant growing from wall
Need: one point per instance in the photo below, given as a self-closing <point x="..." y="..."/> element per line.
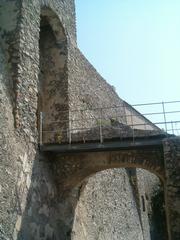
<point x="58" y="137"/>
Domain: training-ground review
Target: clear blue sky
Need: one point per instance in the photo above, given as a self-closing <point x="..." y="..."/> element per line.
<point x="134" y="45"/>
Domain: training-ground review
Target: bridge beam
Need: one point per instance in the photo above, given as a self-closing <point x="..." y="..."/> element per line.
<point x="172" y="186"/>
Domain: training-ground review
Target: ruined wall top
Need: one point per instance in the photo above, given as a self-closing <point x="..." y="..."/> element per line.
<point x="65" y="10"/>
<point x="17" y="10"/>
<point x="19" y="35"/>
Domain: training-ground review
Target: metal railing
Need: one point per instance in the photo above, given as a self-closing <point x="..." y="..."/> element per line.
<point x="165" y="115"/>
<point x="100" y="124"/>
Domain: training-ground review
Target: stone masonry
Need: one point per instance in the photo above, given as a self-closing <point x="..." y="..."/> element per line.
<point x="42" y="196"/>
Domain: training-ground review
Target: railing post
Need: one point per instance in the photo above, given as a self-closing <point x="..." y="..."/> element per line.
<point x="164" y="114"/>
<point x="70" y="136"/>
<point x="116" y="115"/>
<point x="100" y="127"/>
<point x="172" y="126"/>
<point x="132" y="124"/>
<point x="41" y="129"/>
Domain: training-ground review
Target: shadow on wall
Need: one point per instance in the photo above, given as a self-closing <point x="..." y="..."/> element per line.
<point x="53" y="76"/>
<point x="149" y="192"/>
<point x="158" y="228"/>
<point x="49" y="212"/>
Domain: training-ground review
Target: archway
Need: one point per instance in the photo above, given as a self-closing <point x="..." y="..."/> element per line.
<point x="119" y="204"/>
<point x="72" y="170"/>
<point x="53" y="83"/>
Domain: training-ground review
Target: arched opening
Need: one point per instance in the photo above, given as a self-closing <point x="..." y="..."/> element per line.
<point x="53" y="85"/>
<point x="120" y="204"/>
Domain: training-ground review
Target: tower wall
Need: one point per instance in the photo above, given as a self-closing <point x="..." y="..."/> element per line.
<point x="32" y="205"/>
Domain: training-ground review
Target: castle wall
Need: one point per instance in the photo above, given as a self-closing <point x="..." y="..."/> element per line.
<point x="172" y="200"/>
<point x="87" y="88"/>
<point x="27" y="187"/>
<point x="32" y="205"/>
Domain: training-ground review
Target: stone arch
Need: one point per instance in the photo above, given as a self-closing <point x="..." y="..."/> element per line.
<point x="80" y="166"/>
<point x="53" y="76"/>
<point x="99" y="187"/>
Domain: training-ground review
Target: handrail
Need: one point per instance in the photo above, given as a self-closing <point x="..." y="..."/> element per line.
<point x="122" y="119"/>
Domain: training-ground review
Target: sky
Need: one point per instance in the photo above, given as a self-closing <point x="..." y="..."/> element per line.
<point x="134" y="45"/>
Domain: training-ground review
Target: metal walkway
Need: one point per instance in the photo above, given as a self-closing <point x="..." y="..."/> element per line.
<point x="109" y="128"/>
<point x="107" y="145"/>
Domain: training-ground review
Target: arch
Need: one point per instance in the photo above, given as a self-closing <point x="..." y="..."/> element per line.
<point x="83" y="165"/>
<point x="73" y="169"/>
<point x="55" y="23"/>
<point x="53" y="76"/>
<point x="112" y="189"/>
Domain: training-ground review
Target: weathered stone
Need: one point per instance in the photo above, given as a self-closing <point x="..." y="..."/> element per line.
<point x="40" y="192"/>
<point x="172" y="160"/>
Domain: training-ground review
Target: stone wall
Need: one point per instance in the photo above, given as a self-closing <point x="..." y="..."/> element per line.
<point x="172" y="197"/>
<point x="33" y="205"/>
<point x="87" y="88"/>
<point x="21" y="172"/>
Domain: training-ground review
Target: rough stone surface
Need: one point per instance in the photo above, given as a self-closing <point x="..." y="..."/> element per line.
<point x="33" y="204"/>
<point x="107" y="209"/>
<point x="172" y="163"/>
